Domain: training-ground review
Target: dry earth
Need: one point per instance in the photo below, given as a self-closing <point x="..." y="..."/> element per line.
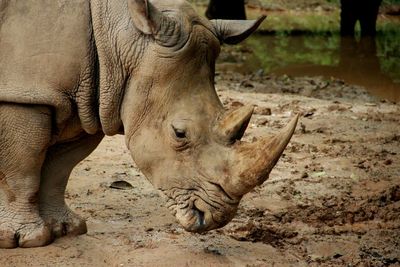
<point x="332" y="200"/>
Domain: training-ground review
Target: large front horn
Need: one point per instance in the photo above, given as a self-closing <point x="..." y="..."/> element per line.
<point x="254" y="161"/>
<point x="151" y="21"/>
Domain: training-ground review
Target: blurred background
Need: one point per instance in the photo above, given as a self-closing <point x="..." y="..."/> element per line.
<point x="352" y="40"/>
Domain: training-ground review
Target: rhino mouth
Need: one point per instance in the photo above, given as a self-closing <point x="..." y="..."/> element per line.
<point x="192" y="219"/>
<point x="200" y="209"/>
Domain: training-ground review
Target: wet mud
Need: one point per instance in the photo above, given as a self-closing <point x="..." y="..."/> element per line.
<point x="333" y="199"/>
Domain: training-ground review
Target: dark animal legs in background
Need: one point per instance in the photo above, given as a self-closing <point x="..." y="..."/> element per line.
<point x="364" y="11"/>
<point x="226" y="9"/>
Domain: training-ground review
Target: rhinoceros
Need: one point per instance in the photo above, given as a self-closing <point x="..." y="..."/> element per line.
<point x="74" y="71"/>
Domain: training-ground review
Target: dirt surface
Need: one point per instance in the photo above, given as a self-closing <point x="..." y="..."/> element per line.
<point x="332" y="200"/>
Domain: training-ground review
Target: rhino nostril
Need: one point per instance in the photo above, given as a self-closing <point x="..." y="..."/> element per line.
<point x="200" y="216"/>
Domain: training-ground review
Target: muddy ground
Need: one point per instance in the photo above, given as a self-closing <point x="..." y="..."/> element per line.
<point x="332" y="200"/>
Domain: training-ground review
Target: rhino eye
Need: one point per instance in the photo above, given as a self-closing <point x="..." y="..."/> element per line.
<point x="179" y="133"/>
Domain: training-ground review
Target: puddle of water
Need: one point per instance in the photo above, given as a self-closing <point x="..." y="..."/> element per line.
<point x="372" y="63"/>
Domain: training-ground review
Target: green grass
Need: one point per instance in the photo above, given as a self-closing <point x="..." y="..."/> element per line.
<point x="298" y="21"/>
<point x="303" y="20"/>
<point x="313" y="22"/>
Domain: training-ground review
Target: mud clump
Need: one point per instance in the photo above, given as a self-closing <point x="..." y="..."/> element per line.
<point x="381" y="247"/>
<point x="259" y="232"/>
<point x="341" y="210"/>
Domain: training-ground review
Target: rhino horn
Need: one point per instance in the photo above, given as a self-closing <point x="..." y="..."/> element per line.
<point x="235" y="31"/>
<point x="233" y="124"/>
<point x="151" y="21"/>
<point x="254" y="161"/>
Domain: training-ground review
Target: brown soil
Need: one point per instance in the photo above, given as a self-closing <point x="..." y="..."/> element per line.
<point x="332" y="200"/>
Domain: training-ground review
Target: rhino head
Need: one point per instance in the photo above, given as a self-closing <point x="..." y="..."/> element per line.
<point x="176" y="128"/>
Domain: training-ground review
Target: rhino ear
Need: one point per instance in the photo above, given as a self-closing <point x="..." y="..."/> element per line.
<point x="144" y="15"/>
<point x="151" y="21"/>
<point x="235" y="31"/>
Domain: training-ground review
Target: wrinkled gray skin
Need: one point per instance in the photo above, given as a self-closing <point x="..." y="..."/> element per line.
<point x="74" y="71"/>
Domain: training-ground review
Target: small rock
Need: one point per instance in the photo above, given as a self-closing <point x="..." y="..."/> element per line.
<point x="388" y="162"/>
<point x="236" y="104"/>
<point x="308" y="114"/>
<point x="212" y="250"/>
<point x="122" y="185"/>
<point x="260" y="72"/>
<point x="263" y="122"/>
<point x="303" y="128"/>
<point x="247" y="84"/>
<point x="337" y="255"/>
<point x="371" y="104"/>
<point x="263" y="111"/>
<point x="318" y="174"/>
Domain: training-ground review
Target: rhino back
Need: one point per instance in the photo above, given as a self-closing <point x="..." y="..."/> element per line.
<point x="46" y="53"/>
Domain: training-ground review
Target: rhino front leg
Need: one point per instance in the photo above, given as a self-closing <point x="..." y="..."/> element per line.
<point x="60" y="161"/>
<point x="25" y="133"/>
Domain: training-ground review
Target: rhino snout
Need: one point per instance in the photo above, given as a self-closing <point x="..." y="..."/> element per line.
<point x="196" y="211"/>
<point x="193" y="219"/>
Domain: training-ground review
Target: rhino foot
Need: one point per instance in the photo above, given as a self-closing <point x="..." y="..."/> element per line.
<point x="25" y="235"/>
<point x="65" y="222"/>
